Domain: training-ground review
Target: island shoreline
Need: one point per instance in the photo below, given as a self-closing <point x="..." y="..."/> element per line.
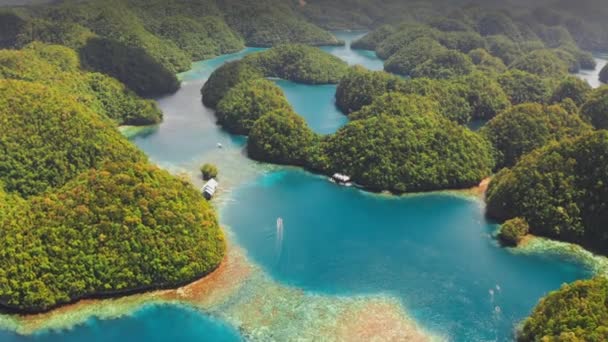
<point x="11" y="310"/>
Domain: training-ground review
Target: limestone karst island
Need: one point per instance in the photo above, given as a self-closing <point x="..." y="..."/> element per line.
<point x="303" y="170"/>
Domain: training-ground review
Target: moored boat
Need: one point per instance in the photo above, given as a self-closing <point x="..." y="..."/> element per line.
<point x="341" y="179"/>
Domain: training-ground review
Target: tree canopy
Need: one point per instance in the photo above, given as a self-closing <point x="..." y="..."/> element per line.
<point x="408" y="153"/>
<point x="247" y="102"/>
<point x="559" y="190"/>
<point x="525" y="127"/>
<point x="296" y="62"/>
<point x="83" y="213"/>
<point x="281" y="137"/>
<point x="576" y="312"/>
<point x="59" y="67"/>
<point x="595" y="109"/>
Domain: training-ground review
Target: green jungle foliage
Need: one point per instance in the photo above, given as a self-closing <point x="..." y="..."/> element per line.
<point x="525" y="127"/>
<point x="460" y="98"/>
<point x="399" y="142"/>
<point x="398" y="104"/>
<point x="432" y="46"/>
<point x="70" y="34"/>
<point x="81" y="211"/>
<point x="523" y="87"/>
<point x="282" y="137"/>
<point x="513" y="231"/>
<point x="270" y="22"/>
<point x="484" y="95"/>
<point x="408" y="153"/>
<point x="462" y="41"/>
<point x="295" y="62"/>
<point x="370" y="41"/>
<point x="560" y="190"/>
<point x="406" y="59"/>
<point x="452" y="96"/>
<point x="132" y="66"/>
<point x="577" y="312"/>
<point x="127" y="226"/>
<point x="247" y="102"/>
<point x="595" y="109"/>
<point x="225" y="78"/>
<point x="299" y="63"/>
<point x="202" y="38"/>
<point x="209" y="171"/>
<point x="403" y="36"/>
<point x="543" y="63"/>
<point x="504" y="48"/>
<point x="64" y="138"/>
<point x="145" y="43"/>
<point x="59" y="67"/>
<point x="360" y="86"/>
<point x="485" y="62"/>
<point x="572" y="88"/>
<point x="403" y="134"/>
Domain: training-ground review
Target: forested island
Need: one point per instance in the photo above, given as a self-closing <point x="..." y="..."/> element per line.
<point x="405" y="135"/>
<point x="83" y="213"/>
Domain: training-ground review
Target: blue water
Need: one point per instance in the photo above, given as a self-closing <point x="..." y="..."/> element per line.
<point x="152" y="323"/>
<point x="593" y="76"/>
<point x="364" y="58"/>
<point x="188" y="127"/>
<point x="316" y="103"/>
<point x="435" y="252"/>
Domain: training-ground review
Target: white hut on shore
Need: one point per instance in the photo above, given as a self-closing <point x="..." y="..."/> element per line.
<point x="209" y="188"/>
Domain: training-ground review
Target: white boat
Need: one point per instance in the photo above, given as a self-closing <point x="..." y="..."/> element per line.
<point x="341" y="179"/>
<point x="208" y="190"/>
<point x="219" y="145"/>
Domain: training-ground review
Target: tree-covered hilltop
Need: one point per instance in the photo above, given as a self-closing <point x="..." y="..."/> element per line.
<point x="398" y="143"/>
<point x="145" y="43"/>
<point x="225" y="78"/>
<point x="121" y="228"/>
<point x="595" y="108"/>
<point x="294" y="62"/>
<point x="48" y="138"/>
<point x="560" y="190"/>
<point x="282" y="137"/>
<point x="526" y="127"/>
<point x="59" y="67"/>
<point x="555" y="22"/>
<point x="576" y="312"/>
<point x="83" y="213"/>
<point x="299" y="63"/>
<point x="473" y="96"/>
<point x="407" y="153"/>
<point x="360" y="86"/>
<point x="453" y="42"/>
<point x="247" y="102"/>
<point x="271" y="22"/>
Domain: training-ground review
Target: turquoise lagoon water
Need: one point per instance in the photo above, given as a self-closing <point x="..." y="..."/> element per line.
<point x="434" y="252"/>
<point x="593" y="76"/>
<point x="316" y="103"/>
<point x="365" y="58"/>
<point x="152" y="323"/>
